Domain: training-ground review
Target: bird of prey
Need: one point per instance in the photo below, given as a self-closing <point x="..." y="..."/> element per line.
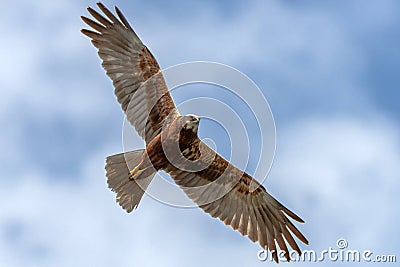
<point x="172" y="144"/>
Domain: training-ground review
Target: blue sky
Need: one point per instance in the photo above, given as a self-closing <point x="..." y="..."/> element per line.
<point x="328" y="69"/>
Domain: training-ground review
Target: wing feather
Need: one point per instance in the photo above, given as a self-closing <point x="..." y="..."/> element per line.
<point x="253" y="234"/>
<point x="238" y="213"/>
<point x="139" y="84"/>
<point x="231" y="211"/>
<point x="253" y="213"/>
<point x="262" y="231"/>
<point x="289" y="238"/>
<point x="243" y="227"/>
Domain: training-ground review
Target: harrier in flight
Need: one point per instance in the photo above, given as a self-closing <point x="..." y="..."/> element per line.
<point x="172" y="145"/>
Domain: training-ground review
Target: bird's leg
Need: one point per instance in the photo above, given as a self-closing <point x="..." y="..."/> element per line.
<point x="142" y="168"/>
<point x="135" y="172"/>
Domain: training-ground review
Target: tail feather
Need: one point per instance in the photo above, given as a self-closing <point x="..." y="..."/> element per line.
<point x="129" y="192"/>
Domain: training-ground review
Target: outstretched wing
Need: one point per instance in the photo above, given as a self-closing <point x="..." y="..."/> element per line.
<point x="139" y="84"/>
<point x="223" y="191"/>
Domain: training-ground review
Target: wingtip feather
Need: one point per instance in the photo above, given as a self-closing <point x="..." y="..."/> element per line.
<point x="292" y="215"/>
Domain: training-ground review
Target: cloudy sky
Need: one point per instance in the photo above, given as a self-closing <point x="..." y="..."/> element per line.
<point x="328" y="69"/>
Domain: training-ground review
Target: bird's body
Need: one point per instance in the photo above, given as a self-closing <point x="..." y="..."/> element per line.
<point x="161" y="150"/>
<point x="172" y="145"/>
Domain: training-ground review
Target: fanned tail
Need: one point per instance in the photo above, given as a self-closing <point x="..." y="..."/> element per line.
<point x="129" y="192"/>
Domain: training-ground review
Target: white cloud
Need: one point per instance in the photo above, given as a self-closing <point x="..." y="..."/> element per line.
<point x="310" y="48"/>
<point x="342" y="172"/>
<point x="335" y="173"/>
<point x="66" y="224"/>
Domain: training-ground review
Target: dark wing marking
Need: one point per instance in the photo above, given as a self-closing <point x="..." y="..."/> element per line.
<point x="139" y="84"/>
<point x="223" y="191"/>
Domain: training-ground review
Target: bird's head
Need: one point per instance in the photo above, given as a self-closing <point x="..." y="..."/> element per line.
<point x="191" y="122"/>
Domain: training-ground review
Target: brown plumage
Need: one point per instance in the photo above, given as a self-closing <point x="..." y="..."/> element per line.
<point x="172" y="144"/>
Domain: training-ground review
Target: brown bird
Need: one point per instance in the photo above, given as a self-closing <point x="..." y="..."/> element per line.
<point x="172" y="145"/>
